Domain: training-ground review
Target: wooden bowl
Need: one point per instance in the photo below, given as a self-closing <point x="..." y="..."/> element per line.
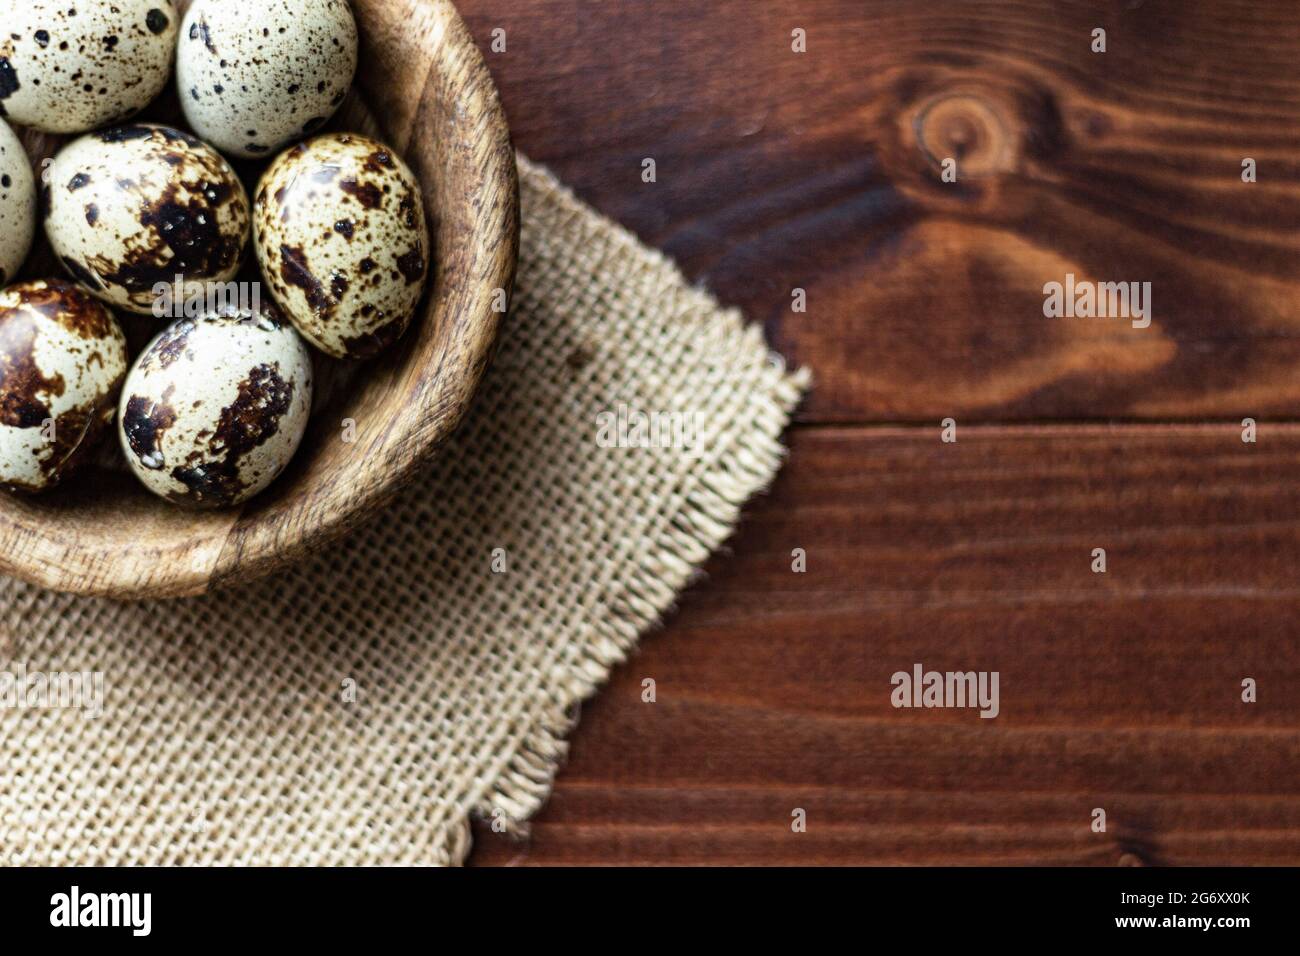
<point x="423" y="88"/>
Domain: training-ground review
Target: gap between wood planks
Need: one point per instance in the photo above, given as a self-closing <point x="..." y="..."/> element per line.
<point x="1050" y="424"/>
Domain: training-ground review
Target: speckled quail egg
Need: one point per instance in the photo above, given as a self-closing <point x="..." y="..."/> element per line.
<point x="340" y="234"/>
<point x="254" y="77"/>
<point x="17" y="204"/>
<point x="62" y="360"/>
<point x="67" y="66"/>
<point x="129" y="209"/>
<point x="215" y="407"/>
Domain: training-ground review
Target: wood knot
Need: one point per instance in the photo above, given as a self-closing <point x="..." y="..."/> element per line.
<point x="969" y="129"/>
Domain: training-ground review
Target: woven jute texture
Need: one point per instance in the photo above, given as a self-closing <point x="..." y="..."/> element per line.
<point x="363" y="707"/>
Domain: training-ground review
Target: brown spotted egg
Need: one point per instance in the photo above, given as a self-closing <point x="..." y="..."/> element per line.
<point x="215" y="407"/>
<point x="62" y="360"/>
<point x="129" y="209"/>
<point x="340" y="234"/>
<point x="67" y="66"/>
<point x="17" y="204"/>
<point x="255" y="77"/>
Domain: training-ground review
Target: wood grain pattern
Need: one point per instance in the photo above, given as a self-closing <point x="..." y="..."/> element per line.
<point x="779" y="170"/>
<point x="421" y="86"/>
<point x="1119" y="690"/>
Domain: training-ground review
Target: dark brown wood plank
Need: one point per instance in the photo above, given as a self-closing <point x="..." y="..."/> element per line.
<point x="1118" y="690"/>
<point x="779" y="170"/>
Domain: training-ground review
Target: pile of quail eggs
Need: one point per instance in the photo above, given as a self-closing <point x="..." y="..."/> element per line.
<point x="152" y="220"/>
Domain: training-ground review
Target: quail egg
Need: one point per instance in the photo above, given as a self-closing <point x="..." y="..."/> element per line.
<point x="340" y="234"/>
<point x="130" y="209"/>
<point x="215" y="407"/>
<point x="253" y="78"/>
<point x="67" y="66"/>
<point x="17" y="204"/>
<point x="62" y="360"/>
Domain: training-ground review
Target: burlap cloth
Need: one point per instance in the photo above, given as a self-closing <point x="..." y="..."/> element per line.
<point x="361" y="708"/>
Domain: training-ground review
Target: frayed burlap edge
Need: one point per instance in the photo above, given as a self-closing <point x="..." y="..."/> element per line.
<point x="714" y="505"/>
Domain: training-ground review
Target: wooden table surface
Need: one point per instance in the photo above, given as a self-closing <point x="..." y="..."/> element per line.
<point x="820" y="171"/>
